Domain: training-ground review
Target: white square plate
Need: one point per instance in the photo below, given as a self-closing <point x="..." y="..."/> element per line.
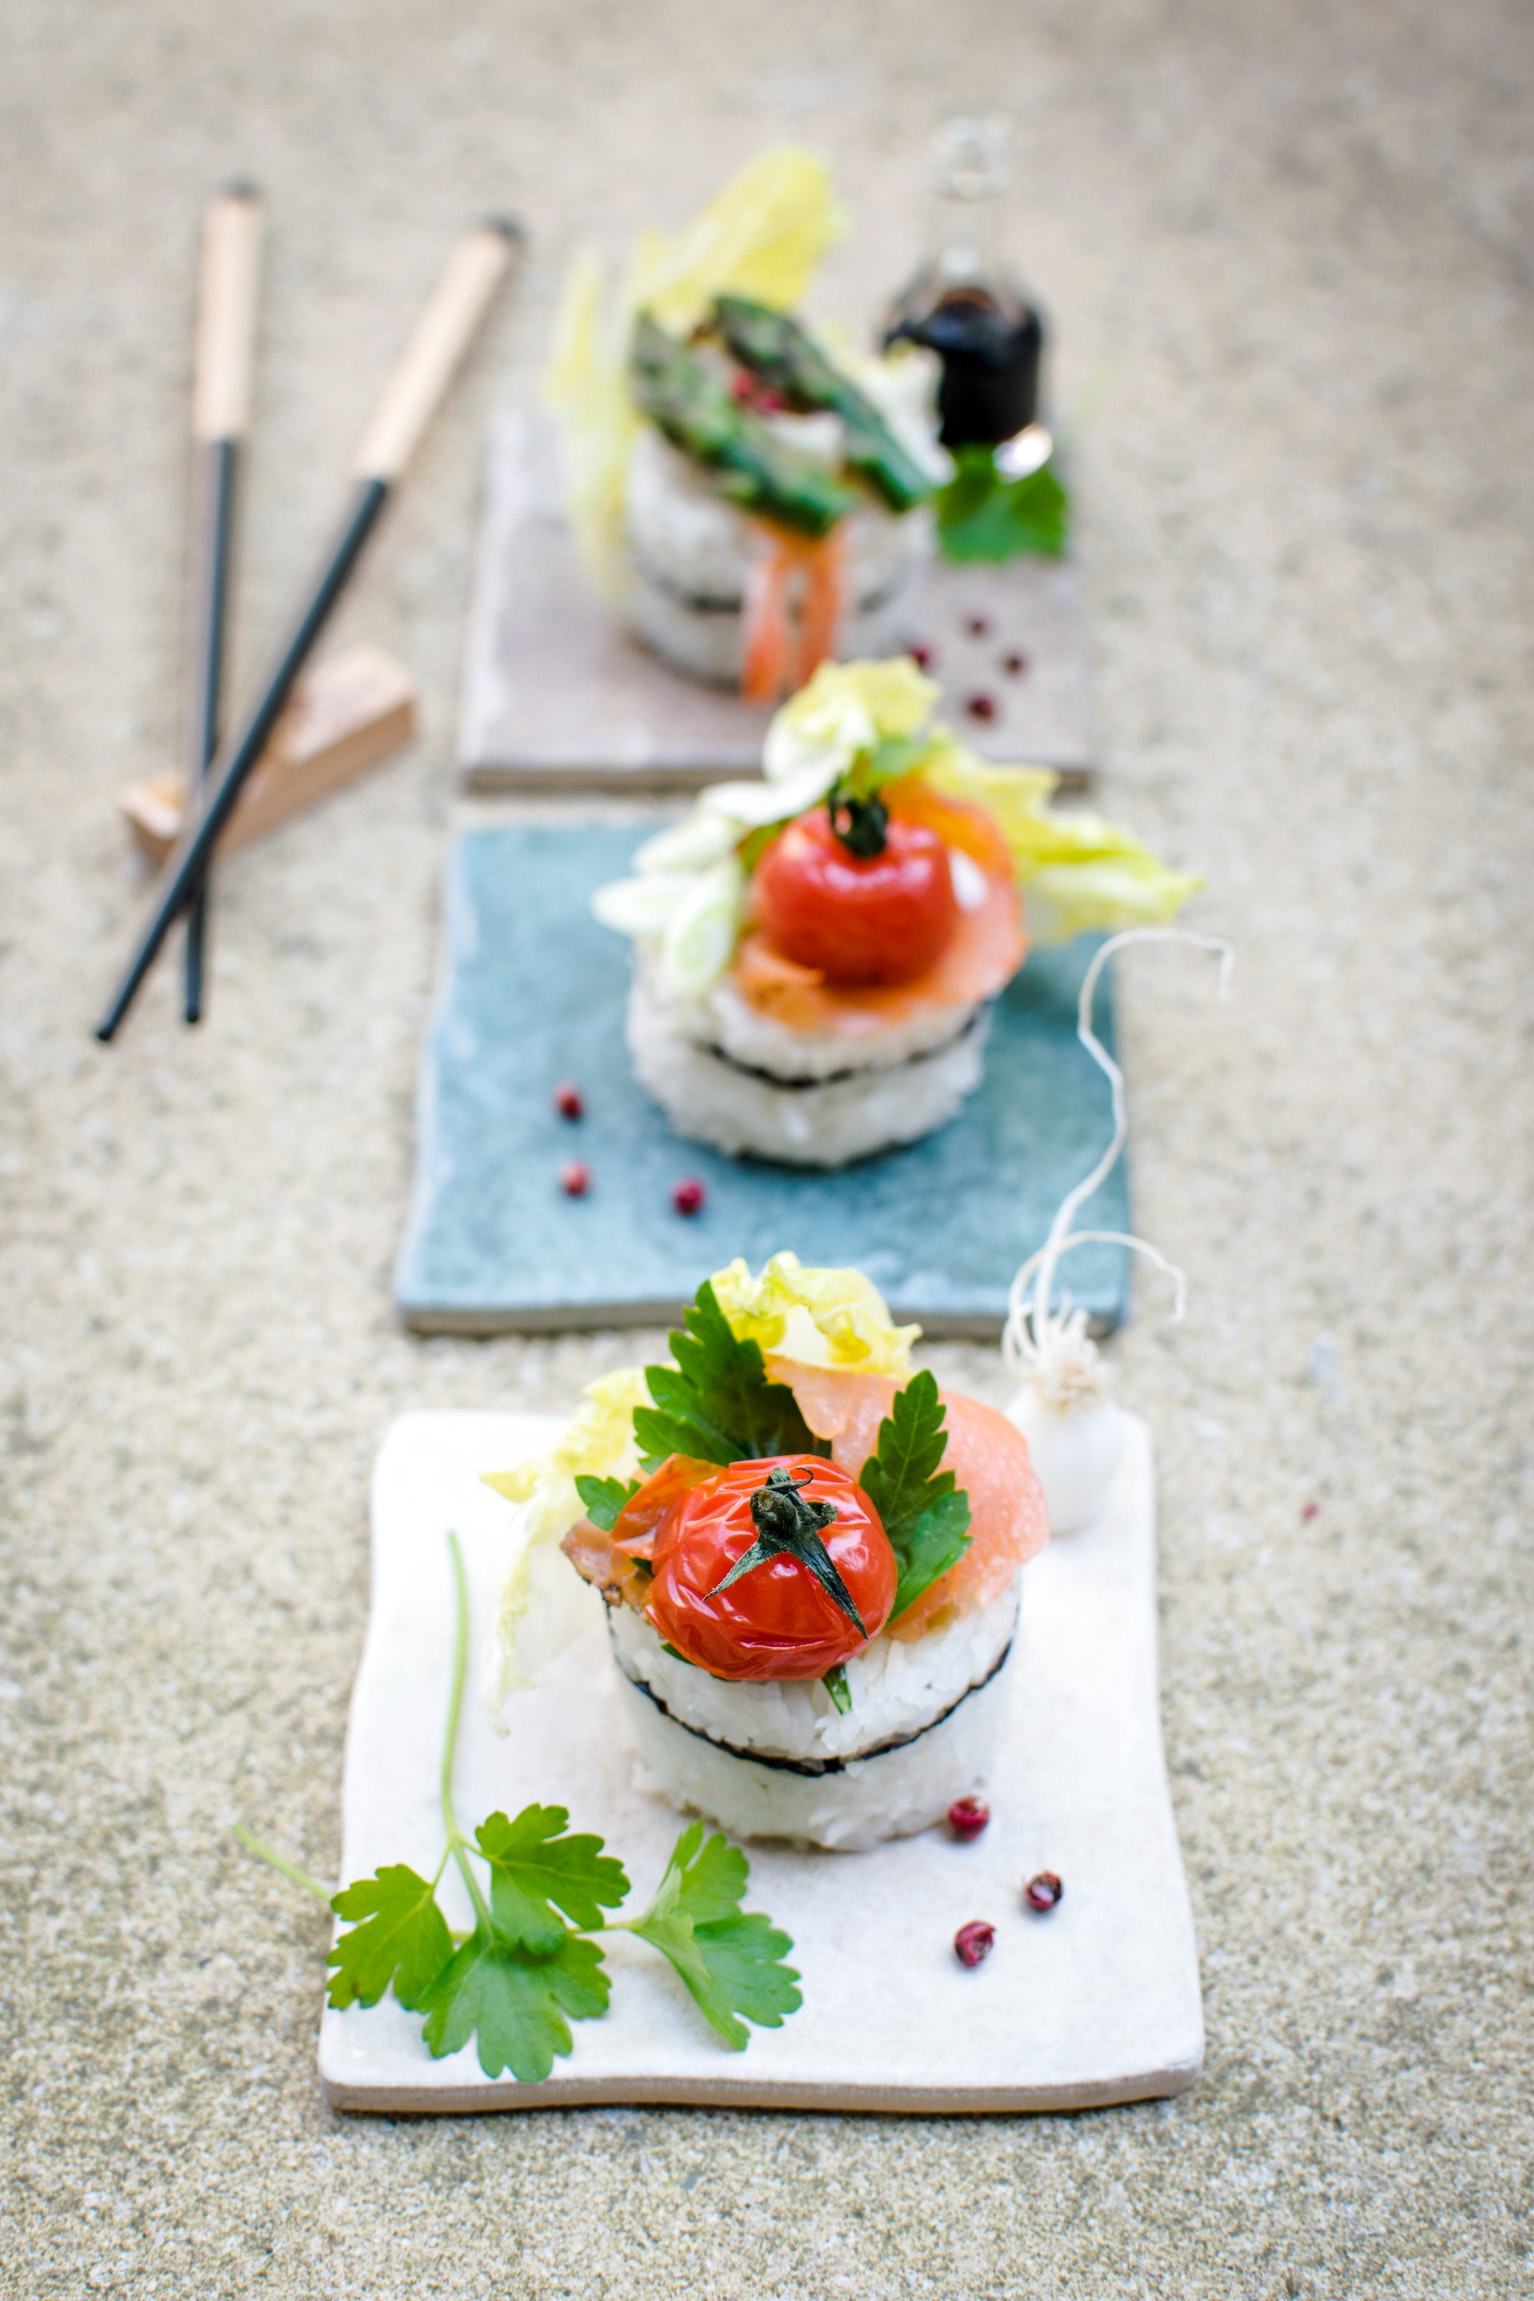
<point x="1097" y="2002"/>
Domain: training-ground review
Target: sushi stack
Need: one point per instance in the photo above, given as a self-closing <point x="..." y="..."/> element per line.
<point x="810" y="1559"/>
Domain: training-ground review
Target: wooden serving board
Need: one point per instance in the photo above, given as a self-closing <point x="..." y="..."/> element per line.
<point x="557" y="695"/>
<point x="1097" y="2002"/>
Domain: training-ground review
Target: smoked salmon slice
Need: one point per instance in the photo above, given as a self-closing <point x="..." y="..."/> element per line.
<point x="988" y="1456"/>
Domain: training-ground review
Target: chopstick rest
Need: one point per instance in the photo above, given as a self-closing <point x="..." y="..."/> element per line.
<point x="441" y="337"/>
<point x="347" y="713"/>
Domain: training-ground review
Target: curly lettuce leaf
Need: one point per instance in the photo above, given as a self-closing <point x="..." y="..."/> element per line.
<point x="542" y="1604"/>
<point x="815" y="1317"/>
<point x="845" y="710"/>
<point x="1078" y="872"/>
<point x="761" y="236"/>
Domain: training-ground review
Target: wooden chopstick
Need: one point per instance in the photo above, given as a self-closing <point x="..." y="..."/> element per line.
<point x="438" y="342"/>
<point x="226" y="340"/>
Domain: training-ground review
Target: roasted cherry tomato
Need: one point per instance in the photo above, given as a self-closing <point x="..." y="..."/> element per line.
<point x="874" y="918"/>
<point x="772" y="1569"/>
<point x="635" y="1525"/>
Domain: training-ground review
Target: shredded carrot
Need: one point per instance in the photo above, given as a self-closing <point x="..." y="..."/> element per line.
<point x="824" y="566"/>
<point x="764" y="668"/>
<point x="969" y="828"/>
<point x="789" y="572"/>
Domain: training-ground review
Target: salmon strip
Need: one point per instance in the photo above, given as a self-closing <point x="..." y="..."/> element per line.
<point x="618" y="1564"/>
<point x="618" y="1578"/>
<point x="988" y="1456"/>
<point x="635" y="1526"/>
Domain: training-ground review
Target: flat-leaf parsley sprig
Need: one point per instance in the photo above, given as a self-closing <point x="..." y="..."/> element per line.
<point x="530" y="1965"/>
<point x="716" y="1403"/>
<point x="922" y="1509"/>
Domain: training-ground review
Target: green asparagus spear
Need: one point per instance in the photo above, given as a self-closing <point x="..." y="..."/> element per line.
<point x="774" y="346"/>
<point x="685" y="397"/>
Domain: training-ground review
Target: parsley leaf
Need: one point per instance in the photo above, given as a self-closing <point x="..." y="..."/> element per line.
<point x="937" y="1541"/>
<point x="534" y="1863"/>
<point x="604" y="1498"/>
<point x="835" y="1683"/>
<point x="730" y="1959"/>
<point x="926" y="1520"/>
<point x="512" y="2005"/>
<point x="521" y="1976"/>
<point x="398" y="1936"/>
<point x="981" y="515"/>
<point x="895" y="755"/>
<point x="716" y="1404"/>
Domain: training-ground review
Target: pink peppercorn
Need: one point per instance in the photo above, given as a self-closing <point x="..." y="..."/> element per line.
<point x="568" y="1102"/>
<point x="1311" y="1510"/>
<point x="1016" y="662"/>
<point x="981" y="706"/>
<point x="1042" y="1893"/>
<point x="688" y="1197"/>
<point x="920" y="654"/>
<point x="973" y="1942"/>
<point x="575" y="1179"/>
<point x="977" y="626"/>
<point x="967" y="1817"/>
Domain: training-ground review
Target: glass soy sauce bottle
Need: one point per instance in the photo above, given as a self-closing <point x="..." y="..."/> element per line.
<point x="963" y="303"/>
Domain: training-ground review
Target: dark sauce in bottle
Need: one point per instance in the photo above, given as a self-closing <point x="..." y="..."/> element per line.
<point x="963" y="305"/>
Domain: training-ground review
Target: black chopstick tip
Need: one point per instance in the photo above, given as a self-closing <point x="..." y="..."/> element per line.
<point x="507" y="227"/>
<point x="241" y="188"/>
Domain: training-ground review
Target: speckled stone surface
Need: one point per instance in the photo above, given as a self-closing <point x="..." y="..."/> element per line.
<point x="534" y="991"/>
<point x="1287" y="254"/>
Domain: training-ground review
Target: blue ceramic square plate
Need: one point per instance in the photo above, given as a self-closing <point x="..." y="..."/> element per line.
<point x="534" y="995"/>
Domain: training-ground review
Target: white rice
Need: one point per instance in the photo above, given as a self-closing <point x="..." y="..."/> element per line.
<point x="780" y="1761"/>
<point x="689" y="538"/>
<point x="708" y="644"/>
<point x="731" y="1026"/>
<point x="693" y="551"/>
<point x="824" y="1122"/>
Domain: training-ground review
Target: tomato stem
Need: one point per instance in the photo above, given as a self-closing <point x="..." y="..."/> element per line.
<point x="787" y="1521"/>
<point x="862" y="825"/>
